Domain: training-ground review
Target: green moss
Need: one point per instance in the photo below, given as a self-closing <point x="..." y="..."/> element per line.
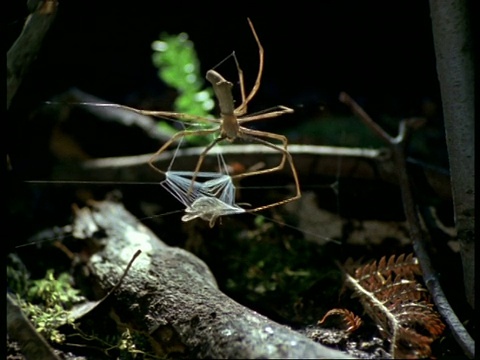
<point x="274" y="271"/>
<point x="46" y="302"/>
<point x="346" y="131"/>
<point x="47" y="320"/>
<point x="52" y="291"/>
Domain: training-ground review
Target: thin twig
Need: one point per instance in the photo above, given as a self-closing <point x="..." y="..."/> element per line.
<point x="358" y="110"/>
<point x="398" y="145"/>
<point x="88" y="307"/>
<point x="119" y="282"/>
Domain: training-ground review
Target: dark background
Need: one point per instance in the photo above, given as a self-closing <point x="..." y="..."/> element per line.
<point x="380" y="52"/>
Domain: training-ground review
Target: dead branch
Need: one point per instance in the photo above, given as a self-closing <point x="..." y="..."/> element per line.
<point x="172" y="296"/>
<point x="76" y="106"/>
<point x="309" y="160"/>
<point x="25" y="49"/>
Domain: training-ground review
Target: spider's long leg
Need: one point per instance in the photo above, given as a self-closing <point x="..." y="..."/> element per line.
<point x="163" y="114"/>
<point x="239" y="111"/>
<point x="242" y="109"/>
<point x="201" y="158"/>
<point x="272" y="114"/>
<point x="178" y="135"/>
<point x="255" y="135"/>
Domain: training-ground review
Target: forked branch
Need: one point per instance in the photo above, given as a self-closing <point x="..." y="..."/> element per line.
<point x="398" y="146"/>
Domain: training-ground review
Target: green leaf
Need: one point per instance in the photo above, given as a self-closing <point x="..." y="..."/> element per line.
<point x="179" y="67"/>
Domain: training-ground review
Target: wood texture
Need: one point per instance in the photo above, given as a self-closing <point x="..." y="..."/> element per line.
<point x="171" y="295"/>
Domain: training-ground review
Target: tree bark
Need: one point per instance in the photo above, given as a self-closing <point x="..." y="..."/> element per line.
<point x="172" y="296"/>
<point x="455" y="68"/>
<point x="26" y="48"/>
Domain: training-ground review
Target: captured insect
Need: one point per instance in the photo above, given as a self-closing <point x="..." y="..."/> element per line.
<point x="208" y="199"/>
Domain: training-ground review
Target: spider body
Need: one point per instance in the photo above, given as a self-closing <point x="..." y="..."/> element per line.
<point x="230" y="126"/>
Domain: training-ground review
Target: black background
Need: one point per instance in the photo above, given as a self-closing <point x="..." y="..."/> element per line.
<point x="380" y="52"/>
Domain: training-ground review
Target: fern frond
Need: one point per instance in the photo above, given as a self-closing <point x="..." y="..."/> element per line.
<point x="398" y="303"/>
<point x="351" y="321"/>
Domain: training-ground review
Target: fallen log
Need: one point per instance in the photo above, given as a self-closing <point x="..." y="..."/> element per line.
<point x="172" y="296"/>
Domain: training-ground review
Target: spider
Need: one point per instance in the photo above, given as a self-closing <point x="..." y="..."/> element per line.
<point x="230" y="127"/>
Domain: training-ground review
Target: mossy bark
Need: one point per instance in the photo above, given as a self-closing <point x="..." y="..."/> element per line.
<point x="172" y="296"/>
